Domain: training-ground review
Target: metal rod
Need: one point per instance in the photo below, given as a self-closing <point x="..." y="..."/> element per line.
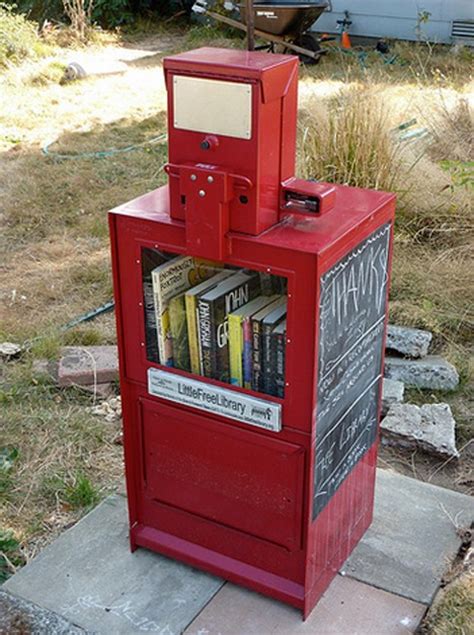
<point x="265" y="36"/>
<point x="250" y="25"/>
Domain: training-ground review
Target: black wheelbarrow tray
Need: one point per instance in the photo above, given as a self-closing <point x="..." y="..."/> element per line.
<point x="287" y="19"/>
<point x="280" y="23"/>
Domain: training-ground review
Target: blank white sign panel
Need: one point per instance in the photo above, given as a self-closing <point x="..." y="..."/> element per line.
<point x="213" y="106"/>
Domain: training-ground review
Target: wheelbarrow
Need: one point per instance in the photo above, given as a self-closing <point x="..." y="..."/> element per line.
<point x="282" y="24"/>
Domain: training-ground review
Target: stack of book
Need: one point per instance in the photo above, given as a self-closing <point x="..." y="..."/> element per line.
<point x="225" y="324"/>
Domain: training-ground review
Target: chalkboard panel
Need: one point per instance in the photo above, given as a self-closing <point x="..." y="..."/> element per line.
<point x="351" y="326"/>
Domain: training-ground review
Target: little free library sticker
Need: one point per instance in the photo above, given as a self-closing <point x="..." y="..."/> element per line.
<point x="227" y="403"/>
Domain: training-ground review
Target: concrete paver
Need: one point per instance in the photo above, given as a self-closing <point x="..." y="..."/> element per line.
<point x="412" y="538"/>
<point x="89" y="577"/>
<point x="347" y="608"/>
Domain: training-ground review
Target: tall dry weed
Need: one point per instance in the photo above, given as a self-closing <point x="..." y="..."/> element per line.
<point x="452" y="131"/>
<point x="348" y="140"/>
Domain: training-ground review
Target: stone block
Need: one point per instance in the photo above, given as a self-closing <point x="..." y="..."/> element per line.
<point x="86" y="365"/>
<point x="430" y="428"/>
<point x="408" y="341"/>
<point x="392" y="393"/>
<point x="432" y="372"/>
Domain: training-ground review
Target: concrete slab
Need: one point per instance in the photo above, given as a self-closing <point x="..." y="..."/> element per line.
<point x="347" y="608"/>
<point x="89" y="576"/>
<point x="17" y="616"/>
<point x="413" y="536"/>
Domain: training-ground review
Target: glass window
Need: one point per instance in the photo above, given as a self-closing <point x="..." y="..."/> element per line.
<point x="215" y="321"/>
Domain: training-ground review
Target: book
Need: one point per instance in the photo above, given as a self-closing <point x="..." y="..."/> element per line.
<point x="277" y="354"/>
<point x="179" y="332"/>
<point x="170" y="279"/>
<point x="213" y="309"/>
<point x="240" y="341"/>
<point x="257" y="346"/>
<point x="150" y="259"/>
<point x="269" y="322"/>
<point x="191" y="300"/>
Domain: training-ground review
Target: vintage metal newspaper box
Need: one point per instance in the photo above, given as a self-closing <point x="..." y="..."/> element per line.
<point x="251" y="310"/>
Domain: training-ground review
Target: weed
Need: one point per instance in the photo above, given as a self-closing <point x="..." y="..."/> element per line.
<point x="83" y="336"/>
<point x="46" y="345"/>
<point x="18" y="37"/>
<point x="51" y="73"/>
<point x="454" y="613"/>
<point x="10" y="555"/>
<point x="348" y="140"/>
<point x="8" y="456"/>
<point x="81" y="493"/>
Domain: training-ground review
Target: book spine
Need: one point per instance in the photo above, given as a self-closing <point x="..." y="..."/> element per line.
<point x="247" y="353"/>
<point x="206" y="337"/>
<point x="193" y="337"/>
<point x="235" y="350"/>
<point x="267" y="371"/>
<point x="152" y="351"/>
<point x="256" y="355"/>
<point x="280" y="365"/>
<point x="179" y="333"/>
<point x="160" y="334"/>
<point x="220" y="339"/>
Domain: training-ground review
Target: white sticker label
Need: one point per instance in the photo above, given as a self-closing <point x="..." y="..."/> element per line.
<point x="227" y="403"/>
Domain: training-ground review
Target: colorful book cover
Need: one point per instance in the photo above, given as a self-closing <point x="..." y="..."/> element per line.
<point x="170" y="279"/>
<point x="278" y="348"/>
<point x="240" y="339"/>
<point x="257" y="347"/>
<point x="213" y="309"/>
<point x="191" y="300"/>
<point x="151" y="258"/>
<point x="179" y="332"/>
<point x="268" y="325"/>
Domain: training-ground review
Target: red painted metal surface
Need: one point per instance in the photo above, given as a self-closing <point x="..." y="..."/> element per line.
<point x="216" y="493"/>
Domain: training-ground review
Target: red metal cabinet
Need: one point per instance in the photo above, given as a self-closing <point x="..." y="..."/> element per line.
<point x="276" y="510"/>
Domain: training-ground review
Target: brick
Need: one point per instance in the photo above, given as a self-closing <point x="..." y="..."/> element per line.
<point x="86" y="365"/>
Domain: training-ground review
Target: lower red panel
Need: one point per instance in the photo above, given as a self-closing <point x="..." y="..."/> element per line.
<point x="238" y="479"/>
<point x="250" y="576"/>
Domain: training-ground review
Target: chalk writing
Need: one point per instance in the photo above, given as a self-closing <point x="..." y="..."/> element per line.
<point x="122" y="610"/>
<point x="351" y="327"/>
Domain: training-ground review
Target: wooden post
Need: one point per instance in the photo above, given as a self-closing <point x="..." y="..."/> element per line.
<point x="250" y="25"/>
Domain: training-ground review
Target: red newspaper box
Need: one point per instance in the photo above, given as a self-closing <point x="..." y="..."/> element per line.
<point x="251" y="311"/>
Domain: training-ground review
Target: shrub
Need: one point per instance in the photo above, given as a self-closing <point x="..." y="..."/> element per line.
<point x="18" y="37"/>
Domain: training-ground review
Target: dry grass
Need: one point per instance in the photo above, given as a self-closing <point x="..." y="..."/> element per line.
<point x="347" y="139"/>
<point x="453" y="614"/>
<point x="55" y="244"/>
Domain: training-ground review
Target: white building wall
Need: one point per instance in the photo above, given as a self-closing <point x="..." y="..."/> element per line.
<point x="398" y="18"/>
